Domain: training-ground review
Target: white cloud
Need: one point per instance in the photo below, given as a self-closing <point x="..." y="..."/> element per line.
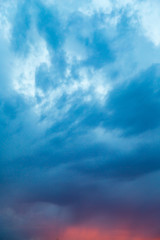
<point x="149" y="18"/>
<point x="7" y="10"/>
<point x="25" y="68"/>
<point x="145" y="16"/>
<point x="74" y="49"/>
<point x="5" y="28"/>
<point x="94" y="6"/>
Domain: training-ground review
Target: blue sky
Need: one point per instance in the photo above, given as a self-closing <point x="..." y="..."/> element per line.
<point x="79" y="118"/>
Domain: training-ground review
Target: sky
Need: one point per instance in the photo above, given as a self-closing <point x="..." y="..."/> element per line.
<point x="79" y="120"/>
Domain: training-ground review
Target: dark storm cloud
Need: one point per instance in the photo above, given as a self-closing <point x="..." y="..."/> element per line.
<point x="136" y="107"/>
<point x="88" y="199"/>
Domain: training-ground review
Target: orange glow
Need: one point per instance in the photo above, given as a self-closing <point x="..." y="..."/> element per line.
<point x="95" y="234"/>
<point x="84" y="233"/>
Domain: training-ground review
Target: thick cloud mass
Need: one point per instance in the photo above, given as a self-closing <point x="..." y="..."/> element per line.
<point x="79" y="120"/>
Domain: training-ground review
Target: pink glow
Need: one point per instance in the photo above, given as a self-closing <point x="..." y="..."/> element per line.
<point x="84" y="233"/>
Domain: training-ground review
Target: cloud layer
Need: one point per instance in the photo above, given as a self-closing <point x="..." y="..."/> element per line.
<point x="79" y="120"/>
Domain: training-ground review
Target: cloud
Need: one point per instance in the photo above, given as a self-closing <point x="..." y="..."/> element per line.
<point x="134" y="103"/>
<point x="79" y="119"/>
<point x="148" y="14"/>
